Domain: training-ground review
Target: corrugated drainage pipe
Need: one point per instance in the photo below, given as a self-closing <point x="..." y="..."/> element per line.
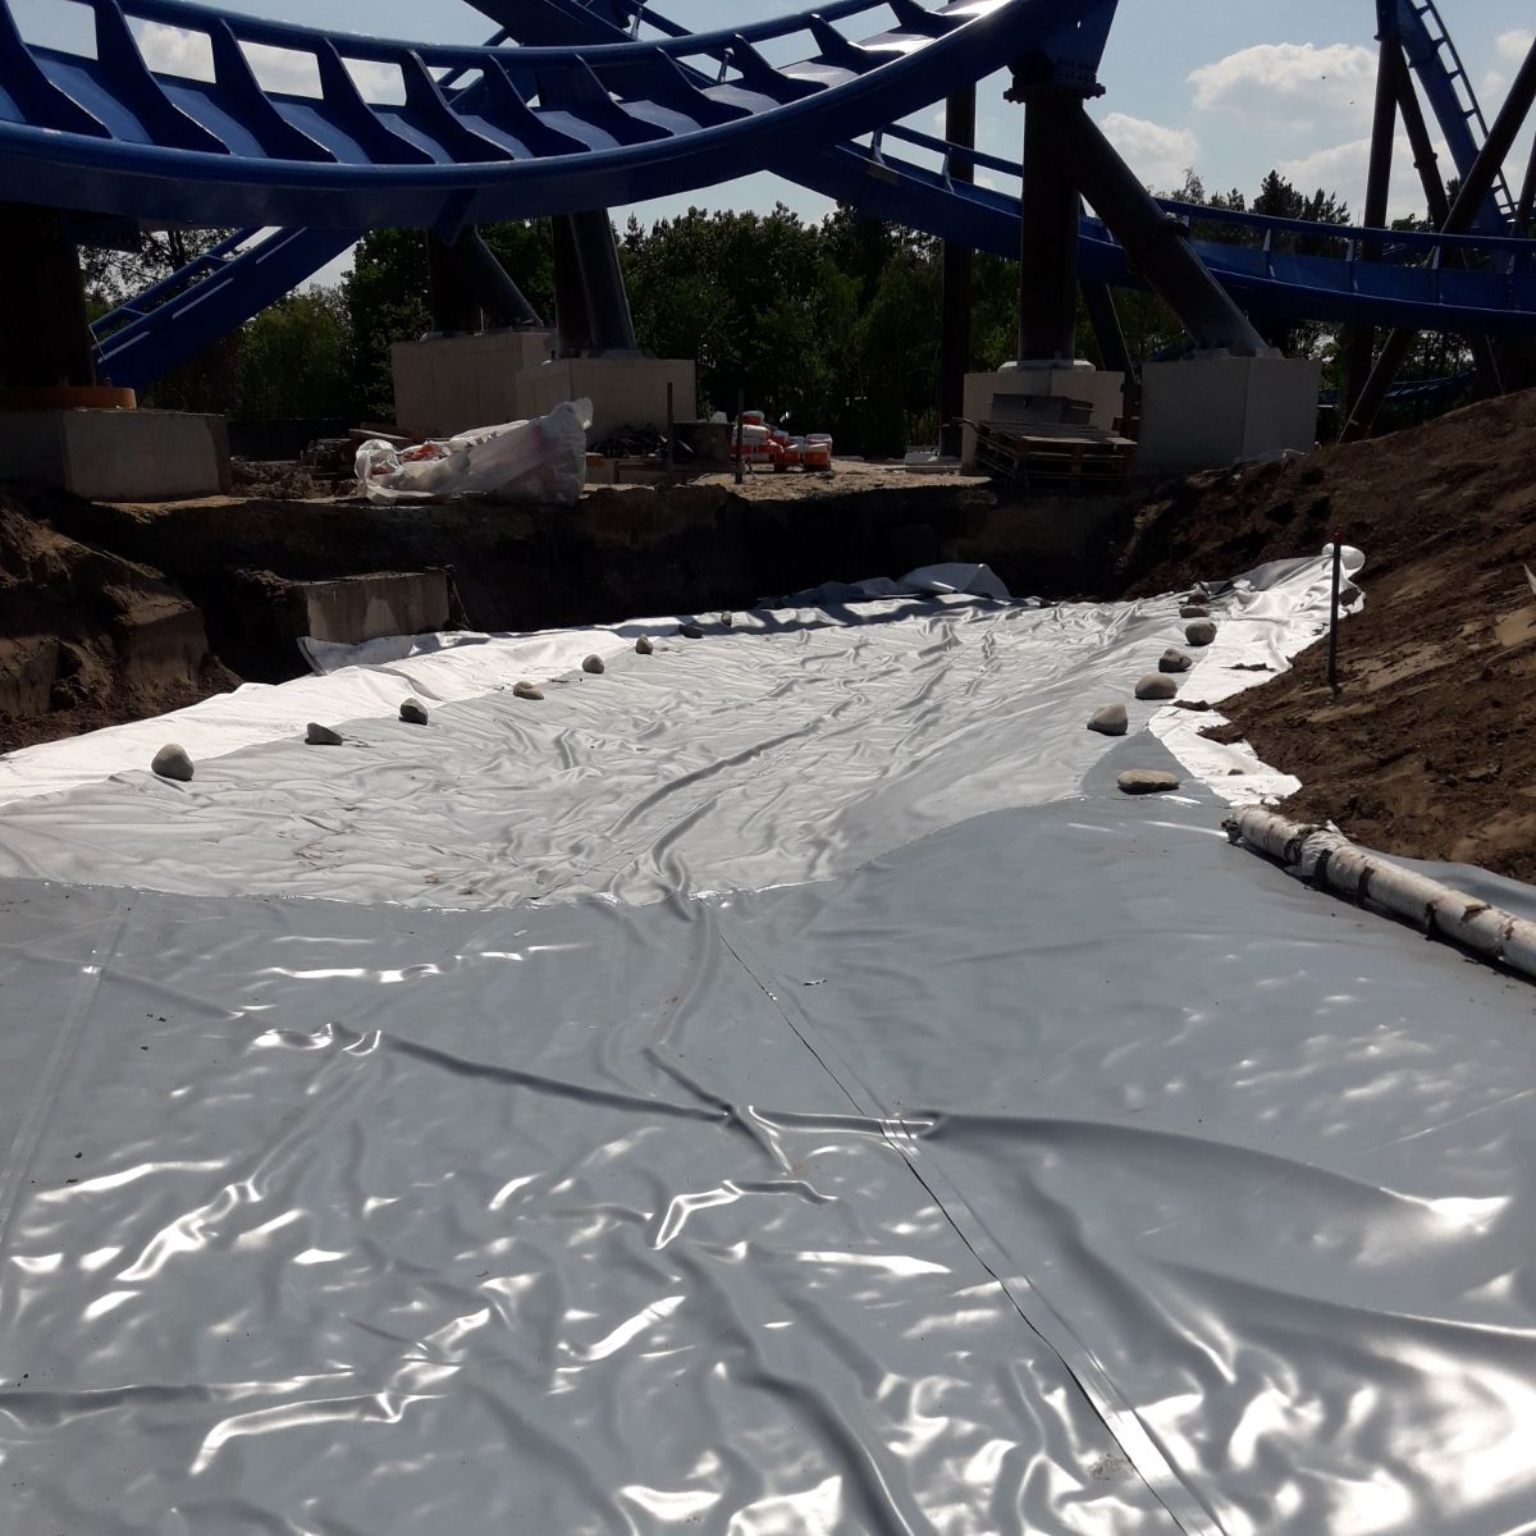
<point x="1324" y="857"/>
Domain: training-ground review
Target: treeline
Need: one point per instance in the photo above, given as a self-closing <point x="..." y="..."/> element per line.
<point x="830" y="325"/>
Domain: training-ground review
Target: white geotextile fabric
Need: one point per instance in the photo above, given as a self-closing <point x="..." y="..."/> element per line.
<point x="990" y="1155"/>
<point x="1066" y="1173"/>
<point x="786" y="745"/>
<point x="1266" y="617"/>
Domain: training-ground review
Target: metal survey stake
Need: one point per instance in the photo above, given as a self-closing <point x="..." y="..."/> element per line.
<point x="1333" y="615"/>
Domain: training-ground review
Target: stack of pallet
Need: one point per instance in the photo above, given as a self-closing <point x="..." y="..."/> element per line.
<point x="1058" y="457"/>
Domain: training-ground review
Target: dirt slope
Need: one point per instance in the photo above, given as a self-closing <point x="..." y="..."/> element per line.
<point x="1430" y="748"/>
<point x="88" y="638"/>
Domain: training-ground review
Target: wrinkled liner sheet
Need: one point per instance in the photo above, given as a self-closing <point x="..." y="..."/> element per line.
<point x="948" y="1169"/>
<point x="1067" y="1171"/>
<point x="785" y="745"/>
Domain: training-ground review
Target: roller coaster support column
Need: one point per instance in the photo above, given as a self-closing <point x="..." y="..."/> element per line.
<point x="955" y="305"/>
<point x="1156" y="245"/>
<point x="1362" y="338"/>
<point x="45" y="338"/>
<point x="592" y="308"/>
<point x="1490" y="160"/>
<point x="502" y="300"/>
<point x="1527" y="198"/>
<point x="1427" y="163"/>
<point x="451" y="298"/>
<point x="1048" y="229"/>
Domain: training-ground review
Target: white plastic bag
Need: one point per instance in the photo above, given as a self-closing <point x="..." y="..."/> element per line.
<point x="543" y="460"/>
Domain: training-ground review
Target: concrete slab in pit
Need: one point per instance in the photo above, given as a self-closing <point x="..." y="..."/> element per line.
<point x="359" y="608"/>
<point x="108" y="455"/>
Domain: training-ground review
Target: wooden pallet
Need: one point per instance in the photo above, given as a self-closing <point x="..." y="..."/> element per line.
<point x="1063" y="458"/>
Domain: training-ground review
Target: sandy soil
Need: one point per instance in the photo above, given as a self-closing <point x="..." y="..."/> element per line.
<point x="88" y="638"/>
<point x="1430" y="748"/>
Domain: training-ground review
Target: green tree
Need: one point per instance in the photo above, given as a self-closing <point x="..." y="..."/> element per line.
<point x="294" y="361"/>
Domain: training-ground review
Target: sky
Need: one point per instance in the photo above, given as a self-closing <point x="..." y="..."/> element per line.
<point x="1228" y="88"/>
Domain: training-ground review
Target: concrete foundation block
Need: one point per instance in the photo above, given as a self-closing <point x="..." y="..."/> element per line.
<point x="106" y="455"/>
<point x="624" y="391"/>
<point x="359" y="608"/>
<point x="1203" y="413"/>
<point x="452" y="384"/>
<point x="1104" y="392"/>
<point x="165" y="641"/>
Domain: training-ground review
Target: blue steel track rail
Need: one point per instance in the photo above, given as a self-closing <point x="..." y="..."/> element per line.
<point x="535" y="131"/>
<point x="1410" y="287"/>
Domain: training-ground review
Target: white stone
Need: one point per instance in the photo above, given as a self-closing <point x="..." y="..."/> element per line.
<point x="593" y="664"/>
<point x="1147" y="781"/>
<point x="172" y="762"/>
<point x="527" y="690"/>
<point x="1174" y="661"/>
<point x="643" y="646"/>
<point x="1156" y="685"/>
<point x="1110" y="721"/>
<point x="1201" y="632"/>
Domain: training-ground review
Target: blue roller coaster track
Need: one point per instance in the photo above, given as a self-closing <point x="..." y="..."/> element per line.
<point x="583" y="111"/>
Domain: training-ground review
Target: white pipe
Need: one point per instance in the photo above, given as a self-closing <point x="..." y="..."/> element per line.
<point x="1322" y="856"/>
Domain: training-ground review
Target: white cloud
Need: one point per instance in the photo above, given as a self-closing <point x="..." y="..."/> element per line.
<point x="173" y="50"/>
<point x="1515" y="45"/>
<point x="1291" y="85"/>
<point x="1158" y="154"/>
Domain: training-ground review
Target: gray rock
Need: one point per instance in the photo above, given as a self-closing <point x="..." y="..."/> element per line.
<point x="172" y="762"/>
<point x="593" y="664"/>
<point x="1156" y="685"/>
<point x="1194" y="611"/>
<point x="1110" y="721"/>
<point x="413" y="713"/>
<point x="1174" y="661"/>
<point x="690" y="631"/>
<point x="321" y="735"/>
<point x="1201" y="632"/>
<point x="526" y="690"/>
<point x="1146" y="781"/>
<point x="643" y="646"/>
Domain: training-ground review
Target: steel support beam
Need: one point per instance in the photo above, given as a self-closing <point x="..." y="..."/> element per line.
<point x="45" y="338"/>
<point x="1048" y="232"/>
<point x="1156" y="246"/>
<point x="1490" y="160"/>
<point x="1527" y="198"/>
<point x="1114" y="355"/>
<point x="955" y="300"/>
<point x="592" y="308"/>
<point x="502" y="300"/>
<point x="1362" y="338"/>
<point x="450" y="295"/>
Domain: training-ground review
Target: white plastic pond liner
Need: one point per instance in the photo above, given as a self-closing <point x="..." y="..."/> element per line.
<point x="952" y="1169"/>
<point x="791" y="744"/>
